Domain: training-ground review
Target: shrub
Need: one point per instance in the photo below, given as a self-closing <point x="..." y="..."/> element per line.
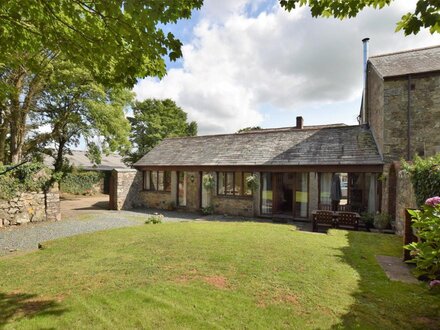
<point x="252" y="182"/>
<point x="382" y="220"/>
<point x="426" y="252"/>
<point x="208" y="181"/>
<point x="154" y="219"/>
<point x="368" y="219"/>
<point x="27" y="177"/>
<point x="425" y="177"/>
<point x="80" y="182"/>
<point x="207" y="210"/>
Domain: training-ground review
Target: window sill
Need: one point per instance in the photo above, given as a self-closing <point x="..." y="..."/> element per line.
<point x="234" y="197"/>
<point x="157" y="191"/>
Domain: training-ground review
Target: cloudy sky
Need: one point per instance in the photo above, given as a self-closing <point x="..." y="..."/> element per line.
<point x="250" y="63"/>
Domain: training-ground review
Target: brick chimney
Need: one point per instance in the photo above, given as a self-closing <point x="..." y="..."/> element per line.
<point x="299" y="122"/>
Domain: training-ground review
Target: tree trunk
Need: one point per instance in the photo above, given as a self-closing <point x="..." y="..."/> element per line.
<point x="4" y="123"/>
<point x="19" y="112"/>
<point x="58" y="165"/>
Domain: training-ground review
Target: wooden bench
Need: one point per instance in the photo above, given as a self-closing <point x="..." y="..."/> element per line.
<point x="323" y="217"/>
<point x="338" y="219"/>
<point x="347" y="219"/>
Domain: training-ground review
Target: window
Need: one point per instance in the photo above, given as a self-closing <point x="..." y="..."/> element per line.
<point x="325" y="182"/>
<point x="221" y="183"/>
<point x="153" y="180"/>
<point x="246" y="190"/>
<point x="181" y="188"/>
<point x="266" y="193"/>
<point x="157" y="180"/>
<point x="229" y="183"/>
<point x="146" y="180"/>
<point x="233" y="184"/>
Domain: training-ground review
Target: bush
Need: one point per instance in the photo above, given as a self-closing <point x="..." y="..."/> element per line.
<point x="382" y="221"/>
<point x="208" y="181"/>
<point x="368" y="219"/>
<point x="252" y="182"/>
<point x="154" y="219"/>
<point x="425" y="177"/>
<point x="207" y="210"/>
<point x="426" y="252"/>
<point x="30" y="177"/>
<point x="80" y="182"/>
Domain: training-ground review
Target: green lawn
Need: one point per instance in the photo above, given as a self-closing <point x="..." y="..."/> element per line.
<point x="204" y="275"/>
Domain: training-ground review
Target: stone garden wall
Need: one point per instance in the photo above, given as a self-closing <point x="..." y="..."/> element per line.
<point x="31" y="207"/>
<point x="125" y="185"/>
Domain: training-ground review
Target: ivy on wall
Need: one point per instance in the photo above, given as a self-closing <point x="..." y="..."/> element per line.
<point x="425" y="177"/>
<point x="80" y="182"/>
<point x="27" y="177"/>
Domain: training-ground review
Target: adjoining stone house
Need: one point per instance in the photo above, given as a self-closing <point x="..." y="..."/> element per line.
<point x="403" y="112"/>
<point x="293" y="167"/>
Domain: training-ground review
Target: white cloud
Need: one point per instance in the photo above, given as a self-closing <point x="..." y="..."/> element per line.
<point x="240" y="60"/>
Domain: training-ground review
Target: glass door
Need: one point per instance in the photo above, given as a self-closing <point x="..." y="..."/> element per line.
<point x="301" y="195"/>
<point x="285" y="194"/>
<point x="266" y="193"/>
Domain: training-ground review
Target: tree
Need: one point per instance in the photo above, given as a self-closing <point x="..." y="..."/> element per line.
<point x="117" y="41"/>
<point x="426" y="14"/>
<point x="152" y="121"/>
<point x="248" y="129"/>
<point x="74" y="105"/>
<point x="21" y="82"/>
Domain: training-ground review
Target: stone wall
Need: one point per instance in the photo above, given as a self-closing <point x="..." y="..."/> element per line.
<point x="375" y="106"/>
<point x="242" y="206"/>
<point x="405" y="198"/>
<point x="424" y="117"/>
<point x="157" y="199"/>
<point x="31" y="207"/>
<point x="125" y="185"/>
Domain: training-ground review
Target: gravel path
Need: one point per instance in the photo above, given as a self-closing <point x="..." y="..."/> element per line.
<point x="27" y="237"/>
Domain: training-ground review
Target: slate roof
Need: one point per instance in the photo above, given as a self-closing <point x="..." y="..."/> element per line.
<point x="343" y="145"/>
<point x="79" y="158"/>
<point x="421" y="60"/>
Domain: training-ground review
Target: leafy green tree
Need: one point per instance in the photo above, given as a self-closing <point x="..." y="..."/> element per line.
<point x="152" y="121"/>
<point x="117" y="41"/>
<point x="426" y="14"/>
<point x="248" y="129"/>
<point x="21" y="82"/>
<point x="74" y="105"/>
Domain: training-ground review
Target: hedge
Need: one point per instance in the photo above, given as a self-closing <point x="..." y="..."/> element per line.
<point x="425" y="177"/>
<point x="80" y="182"/>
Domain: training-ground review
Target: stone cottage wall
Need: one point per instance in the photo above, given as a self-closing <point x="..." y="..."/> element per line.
<point x="375" y="106"/>
<point x="424" y="113"/>
<point x="125" y="185"/>
<point x="31" y="207"/>
<point x="405" y="198"/>
<point x="242" y="206"/>
<point x="157" y="199"/>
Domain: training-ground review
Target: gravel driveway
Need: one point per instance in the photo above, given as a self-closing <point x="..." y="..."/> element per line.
<point x="27" y="237"/>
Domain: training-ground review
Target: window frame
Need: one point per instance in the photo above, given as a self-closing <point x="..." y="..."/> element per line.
<point x="243" y="188"/>
<point x="151" y="184"/>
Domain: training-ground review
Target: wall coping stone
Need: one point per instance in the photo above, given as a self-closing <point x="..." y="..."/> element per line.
<point x="125" y="170"/>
